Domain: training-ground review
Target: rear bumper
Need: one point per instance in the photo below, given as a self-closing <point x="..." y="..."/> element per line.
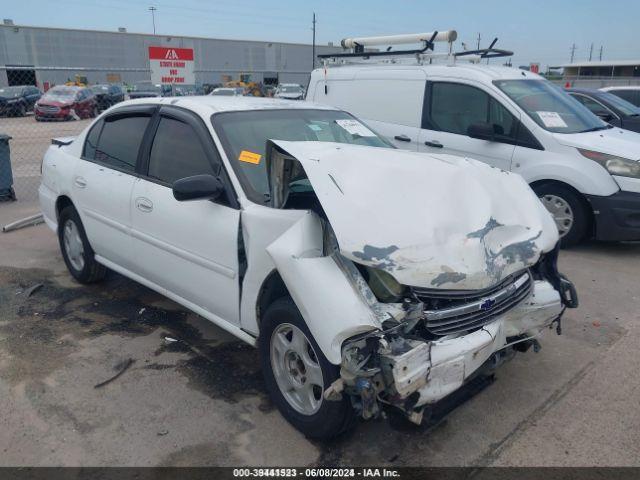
<point x="617" y="217"/>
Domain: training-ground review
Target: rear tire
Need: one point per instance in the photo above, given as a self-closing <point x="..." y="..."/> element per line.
<point x="570" y="211"/>
<point x="324" y="420"/>
<point x="76" y="250"/>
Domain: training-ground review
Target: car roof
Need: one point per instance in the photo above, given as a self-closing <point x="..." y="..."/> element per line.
<point x="586" y="91"/>
<point x="69" y="87"/>
<point x="607" y="89"/>
<point x="208" y="104"/>
<point x="459" y="70"/>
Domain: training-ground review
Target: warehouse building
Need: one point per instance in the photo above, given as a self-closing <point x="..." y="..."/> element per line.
<point x="49" y="56"/>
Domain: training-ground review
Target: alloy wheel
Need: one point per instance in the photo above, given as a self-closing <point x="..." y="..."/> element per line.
<point x="73" y="246"/>
<point x="296" y="369"/>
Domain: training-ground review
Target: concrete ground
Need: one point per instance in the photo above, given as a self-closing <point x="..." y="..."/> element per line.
<point x="201" y="400"/>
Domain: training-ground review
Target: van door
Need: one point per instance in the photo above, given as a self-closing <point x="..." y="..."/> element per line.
<point x="464" y="119"/>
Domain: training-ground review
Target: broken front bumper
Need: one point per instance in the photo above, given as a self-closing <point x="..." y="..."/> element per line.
<point x="454" y="360"/>
<point x="407" y="372"/>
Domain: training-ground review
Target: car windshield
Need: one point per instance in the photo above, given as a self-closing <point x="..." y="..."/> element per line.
<point x="290" y="89"/>
<point x="626" y="108"/>
<point x="60" y="94"/>
<point x="100" y="88"/>
<point x="244" y="137"/>
<point x="550" y="107"/>
<point x="10" y="91"/>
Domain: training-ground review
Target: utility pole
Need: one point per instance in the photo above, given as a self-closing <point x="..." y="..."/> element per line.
<point x="591" y="52"/>
<point x="573" y="52"/>
<point x="478" y="47"/>
<point x="600" y="56"/>
<point x="313" y="47"/>
<point x="153" y="9"/>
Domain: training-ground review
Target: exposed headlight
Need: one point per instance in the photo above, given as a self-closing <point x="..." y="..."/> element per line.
<point x="622" y="167"/>
<point x="384" y="286"/>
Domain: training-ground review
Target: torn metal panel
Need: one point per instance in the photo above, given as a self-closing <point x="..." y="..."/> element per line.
<point x="318" y="286"/>
<point x="260" y="227"/>
<point x="429" y="220"/>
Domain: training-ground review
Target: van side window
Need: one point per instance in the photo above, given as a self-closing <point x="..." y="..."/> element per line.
<point x="177" y="153"/>
<point x="119" y="142"/>
<point x="454" y="107"/>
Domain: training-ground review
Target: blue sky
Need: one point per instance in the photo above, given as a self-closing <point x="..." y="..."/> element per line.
<point x="541" y="30"/>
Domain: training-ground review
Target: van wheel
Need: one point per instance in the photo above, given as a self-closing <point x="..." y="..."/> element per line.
<point x="569" y="211"/>
<point x="296" y="373"/>
<point x="76" y="250"/>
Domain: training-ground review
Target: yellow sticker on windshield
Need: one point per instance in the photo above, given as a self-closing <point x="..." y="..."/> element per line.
<point x="249" y="157"/>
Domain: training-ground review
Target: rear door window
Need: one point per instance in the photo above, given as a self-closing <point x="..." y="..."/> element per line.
<point x="177" y="153"/>
<point x="119" y="142"/>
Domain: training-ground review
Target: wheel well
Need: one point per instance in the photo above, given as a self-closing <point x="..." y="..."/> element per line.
<point x="61" y="203"/>
<point x="583" y="199"/>
<point x="272" y="289"/>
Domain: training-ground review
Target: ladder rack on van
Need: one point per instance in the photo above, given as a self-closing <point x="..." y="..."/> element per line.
<point x="428" y="43"/>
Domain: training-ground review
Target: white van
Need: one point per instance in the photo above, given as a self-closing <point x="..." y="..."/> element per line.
<point x="586" y="172"/>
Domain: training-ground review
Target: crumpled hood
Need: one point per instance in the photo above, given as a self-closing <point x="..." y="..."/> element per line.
<point x="614" y="141"/>
<point x="433" y="221"/>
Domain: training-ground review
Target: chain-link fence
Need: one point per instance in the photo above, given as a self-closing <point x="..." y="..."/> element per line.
<point x="25" y="134"/>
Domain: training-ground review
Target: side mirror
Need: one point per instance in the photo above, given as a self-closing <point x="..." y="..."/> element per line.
<point x="198" y="187"/>
<point x="481" y="131"/>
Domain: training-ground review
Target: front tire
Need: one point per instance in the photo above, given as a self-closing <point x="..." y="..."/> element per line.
<point x="569" y="210"/>
<point x="296" y="373"/>
<point x="76" y="250"/>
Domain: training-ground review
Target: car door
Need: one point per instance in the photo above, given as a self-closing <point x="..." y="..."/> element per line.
<point x="188" y="248"/>
<point x="103" y="180"/>
<point x="451" y="107"/>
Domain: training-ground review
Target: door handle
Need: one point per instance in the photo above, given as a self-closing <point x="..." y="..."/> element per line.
<point x="80" y="182"/>
<point x="144" y="204"/>
<point x="434" y="144"/>
<point x="402" y="138"/>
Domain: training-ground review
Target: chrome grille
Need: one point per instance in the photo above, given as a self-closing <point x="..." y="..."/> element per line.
<point x="463" y="311"/>
<point x="48" y="109"/>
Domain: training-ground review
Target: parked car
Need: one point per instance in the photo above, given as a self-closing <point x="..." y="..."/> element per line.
<point x="609" y="107"/>
<point x="585" y="171"/>
<point x="107" y="95"/>
<point x="630" y="94"/>
<point x="282" y="237"/>
<point x="148" y="90"/>
<point x="290" y="91"/>
<point x="228" y="92"/>
<point x="66" y="103"/>
<point x="18" y="100"/>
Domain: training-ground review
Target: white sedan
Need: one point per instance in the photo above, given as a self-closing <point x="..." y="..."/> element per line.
<point x="368" y="277"/>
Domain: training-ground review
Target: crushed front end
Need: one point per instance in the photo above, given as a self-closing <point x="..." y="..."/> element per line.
<point x="433" y="341"/>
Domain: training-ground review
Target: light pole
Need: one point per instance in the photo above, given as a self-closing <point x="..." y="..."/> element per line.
<point x="313" y="48"/>
<point x="153" y="9"/>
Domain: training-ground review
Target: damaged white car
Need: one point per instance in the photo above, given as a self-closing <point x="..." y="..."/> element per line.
<point x="368" y="277"/>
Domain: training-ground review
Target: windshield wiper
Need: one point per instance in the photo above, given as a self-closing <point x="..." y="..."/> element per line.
<point x="595" y="129"/>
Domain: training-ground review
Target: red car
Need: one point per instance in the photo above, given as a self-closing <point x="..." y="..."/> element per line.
<point x="66" y="103"/>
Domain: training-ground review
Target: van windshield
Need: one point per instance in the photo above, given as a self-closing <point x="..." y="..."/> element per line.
<point x="244" y="136"/>
<point x="550" y="107"/>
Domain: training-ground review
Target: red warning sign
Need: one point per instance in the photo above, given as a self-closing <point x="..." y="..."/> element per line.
<point x="171" y="66"/>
